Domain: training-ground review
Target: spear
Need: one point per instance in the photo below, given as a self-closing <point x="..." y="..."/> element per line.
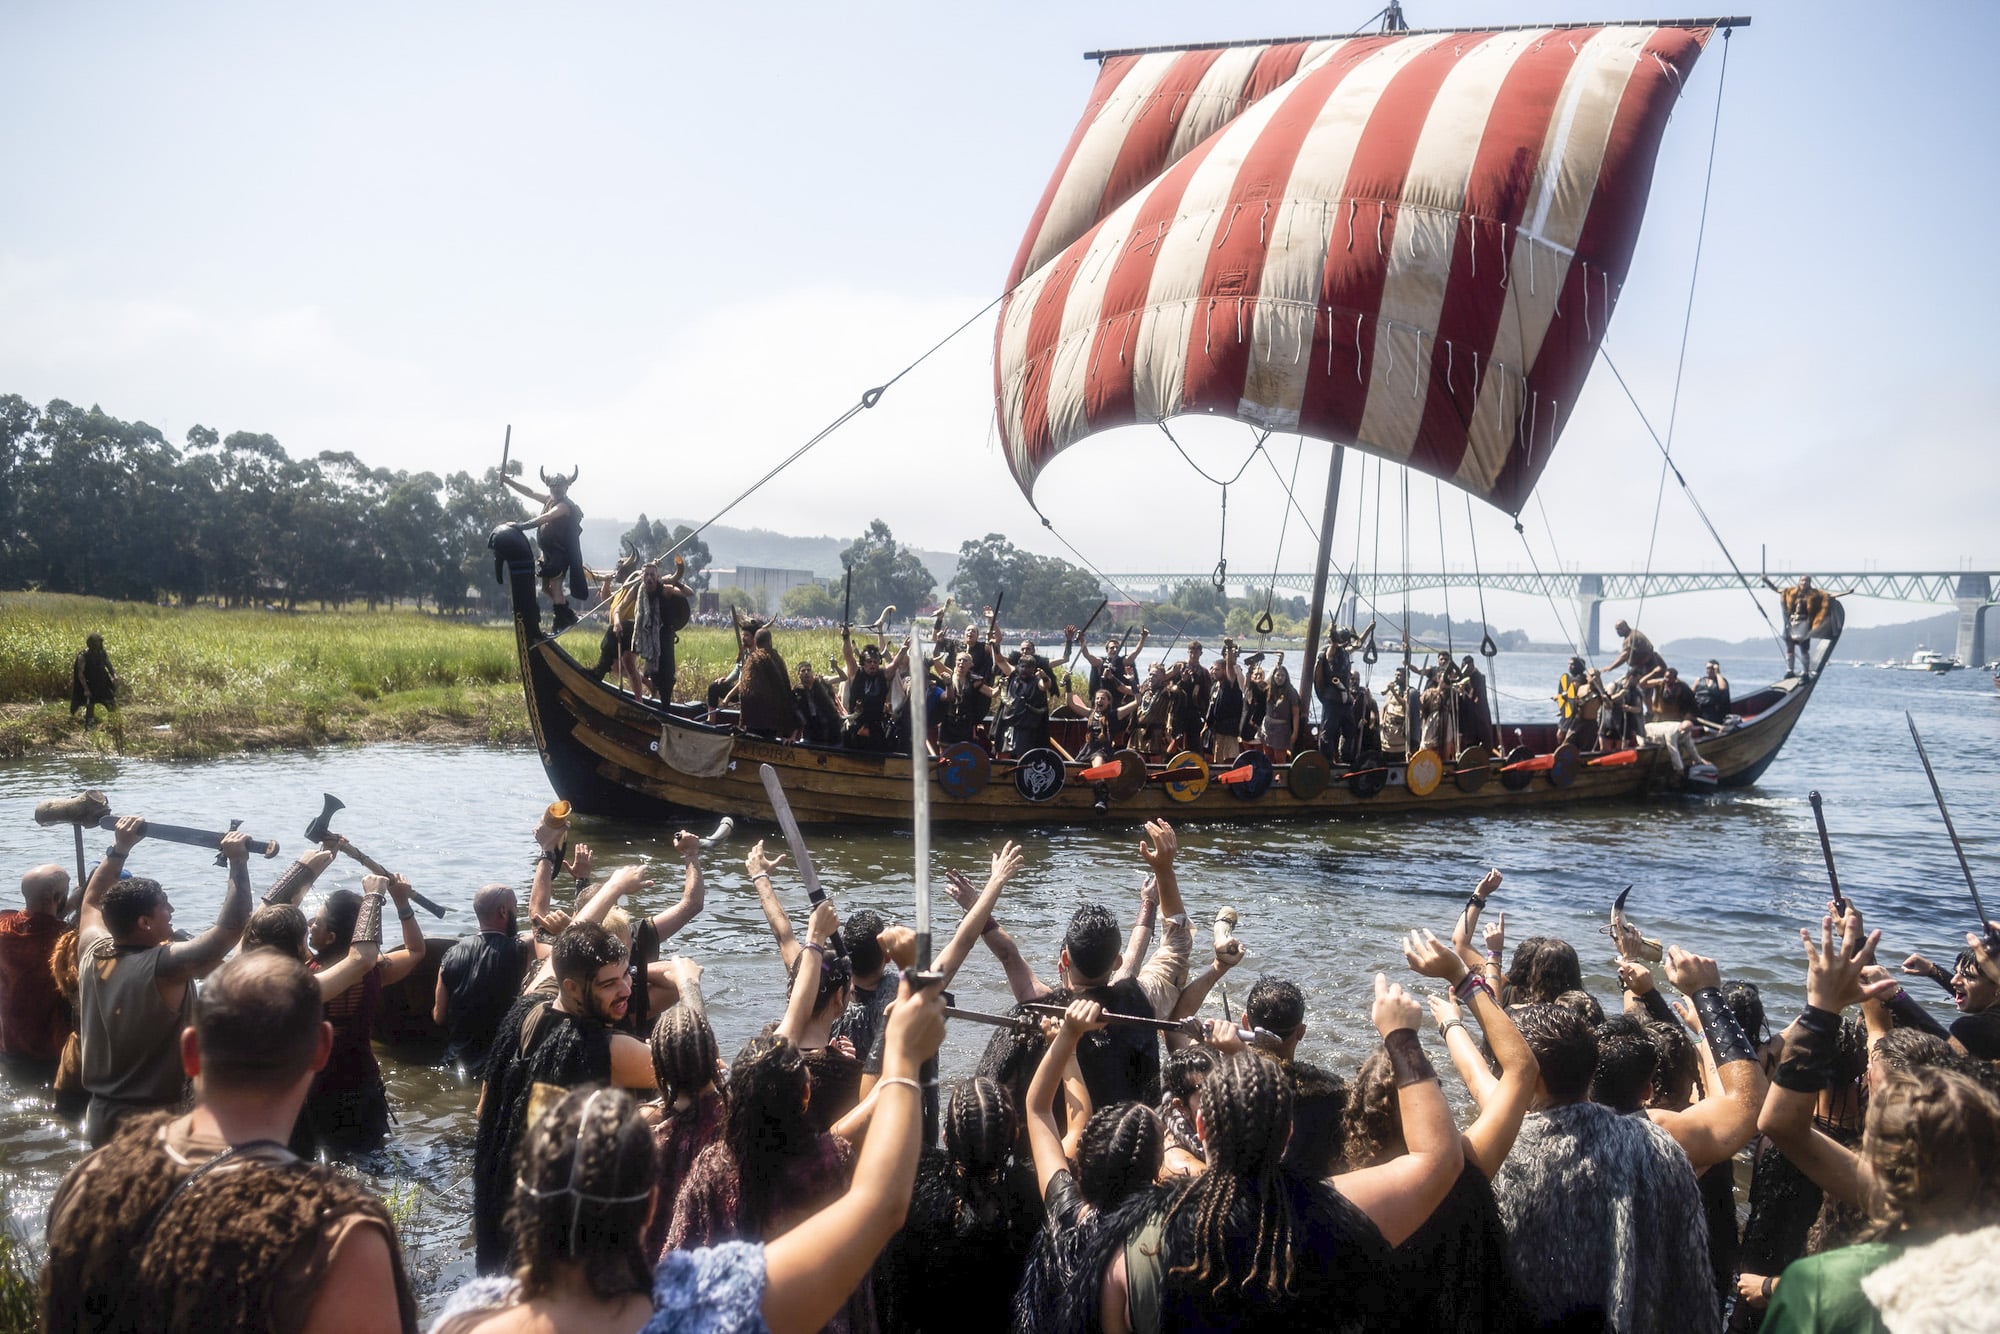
<point x="1986" y="928"/>
<point x="920" y="797"/>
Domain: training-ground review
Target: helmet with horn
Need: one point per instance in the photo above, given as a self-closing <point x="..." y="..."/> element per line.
<point x="566" y="482"/>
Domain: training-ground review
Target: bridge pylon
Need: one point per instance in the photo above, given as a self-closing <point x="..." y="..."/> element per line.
<point x="1975" y="596"/>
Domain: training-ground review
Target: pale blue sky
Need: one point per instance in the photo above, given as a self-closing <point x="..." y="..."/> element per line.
<point x="668" y="243"/>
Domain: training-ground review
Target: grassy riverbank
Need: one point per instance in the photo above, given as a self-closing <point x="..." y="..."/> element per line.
<point x="203" y="682"/>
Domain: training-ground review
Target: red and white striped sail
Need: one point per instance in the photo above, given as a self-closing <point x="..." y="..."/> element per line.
<point x="1409" y="242"/>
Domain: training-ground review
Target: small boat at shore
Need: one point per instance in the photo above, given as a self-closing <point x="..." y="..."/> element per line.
<point x="1404" y="243"/>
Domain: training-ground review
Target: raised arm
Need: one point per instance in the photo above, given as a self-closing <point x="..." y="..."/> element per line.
<point x="1166" y="972"/>
<point x="1006" y="862"/>
<point x="1507" y="1099"/>
<point x="1400" y="1194"/>
<point x="693" y="891"/>
<point x="292" y="884"/>
<point x="811" y="1270"/>
<point x="1468" y="921"/>
<point x="760" y="867"/>
<point x="90" y="914"/>
<point x="184" y="959"/>
<point x="399" y="964"/>
<point x="1043" y="1138"/>
<point x="364" y="951"/>
<point x="1142" y="931"/>
<point x="820" y="928"/>
<point x="1021" y="979"/>
<point x="1712" y="1130"/>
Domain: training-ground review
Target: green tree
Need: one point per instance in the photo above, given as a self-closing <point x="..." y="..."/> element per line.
<point x="810" y="600"/>
<point x="748" y="601"/>
<point x="885" y="573"/>
<point x="652" y="537"/>
<point x="1041" y="590"/>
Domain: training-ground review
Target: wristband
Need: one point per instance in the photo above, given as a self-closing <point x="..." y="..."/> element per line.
<point x="905" y="1081"/>
<point x="368" y="923"/>
<point x="1770" y="1280"/>
<point x="1466" y="986"/>
<point x="119" y="853"/>
<point x="1726" y="1038"/>
<point x="1494" y="956"/>
<point x="406" y="914"/>
<point x="1444" y="1029"/>
<point x="816" y="948"/>
<point x="1659" y="1011"/>
<point x="1809" y="1052"/>
<point x="761" y="875"/>
<point x="1406" y="1058"/>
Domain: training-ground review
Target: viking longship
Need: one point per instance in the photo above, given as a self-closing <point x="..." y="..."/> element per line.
<point x="1405" y="243"/>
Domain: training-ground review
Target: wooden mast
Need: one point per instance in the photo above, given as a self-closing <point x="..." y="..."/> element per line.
<point x="1320" y="567"/>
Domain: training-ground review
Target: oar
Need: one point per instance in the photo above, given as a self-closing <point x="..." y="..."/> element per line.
<point x="1618" y="757"/>
<point x="1986" y="928"/>
<point x="1826" y="851"/>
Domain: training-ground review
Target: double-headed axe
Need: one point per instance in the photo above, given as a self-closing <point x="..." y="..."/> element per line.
<point x="92" y="809"/>
<point x="317" y="832"/>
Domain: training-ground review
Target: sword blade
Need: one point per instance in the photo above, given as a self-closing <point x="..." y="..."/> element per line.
<point x="1938" y="793"/>
<point x="782" y="809"/>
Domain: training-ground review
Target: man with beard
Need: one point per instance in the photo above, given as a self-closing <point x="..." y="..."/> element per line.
<point x="818" y="716"/>
<point x="764" y="697"/>
<point x="480" y="979"/>
<point x="867" y="725"/>
<point x="547" y="1045"/>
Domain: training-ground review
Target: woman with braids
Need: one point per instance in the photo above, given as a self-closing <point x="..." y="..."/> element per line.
<point x="773" y="1166"/>
<point x="1248" y="1243"/>
<point x="834" y="1065"/>
<point x="578" y="1218"/>
<point x="1107" y="1157"/>
<point x="957" y="1261"/>
<point x="688" y="1117"/>
<point x="348" y="1109"/>
<point x="1928" y="1167"/>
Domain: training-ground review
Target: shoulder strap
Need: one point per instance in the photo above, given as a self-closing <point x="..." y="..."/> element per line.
<point x="1143" y="1278"/>
<point x="260" y="1149"/>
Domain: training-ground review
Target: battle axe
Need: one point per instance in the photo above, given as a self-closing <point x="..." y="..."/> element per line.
<point x="94" y="810"/>
<point x="318" y="832"/>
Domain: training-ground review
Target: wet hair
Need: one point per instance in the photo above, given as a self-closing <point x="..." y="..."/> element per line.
<point x="1544" y="968"/>
<point x="1276" y="1004"/>
<point x="1585" y="1005"/>
<point x="129" y="900"/>
<point x="1319" y="1105"/>
<point x="1182" y="1074"/>
<point x="1093" y="940"/>
<point x="1909" y="1049"/>
<point x="767" y="1127"/>
<point x="257" y="1021"/>
<point x="1564" y="1047"/>
<point x="276" y="926"/>
<point x="980" y="1125"/>
<point x="1372" y="1123"/>
<point x="582" y="950"/>
<point x="1680" y="1066"/>
<point x="340" y="913"/>
<point x="1626" y="1060"/>
<point x="1246" y="1107"/>
<point x="835" y="976"/>
<point x="684" y="1056"/>
<point x="1118" y="1153"/>
<point x="1932" y="1149"/>
<point x="858" y="933"/>
<point x="1747" y="1004"/>
<point x="581" y="1195"/>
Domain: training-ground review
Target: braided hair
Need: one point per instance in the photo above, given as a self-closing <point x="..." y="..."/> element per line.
<point x="1372" y="1122"/>
<point x="1119" y="1153"/>
<point x="980" y="1125"/>
<point x="684" y="1057"/>
<point x="581" y="1196"/>
<point x="767" y="1127"/>
<point x="1246" y="1108"/>
<point x="1932" y="1152"/>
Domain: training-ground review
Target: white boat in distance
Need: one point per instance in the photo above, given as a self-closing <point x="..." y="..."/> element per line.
<point x="1930" y="660"/>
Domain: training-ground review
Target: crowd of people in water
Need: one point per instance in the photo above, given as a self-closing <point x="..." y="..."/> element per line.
<point x="1111" y="1162"/>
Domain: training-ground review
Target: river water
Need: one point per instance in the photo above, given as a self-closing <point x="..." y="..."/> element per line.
<point x="1732" y="875"/>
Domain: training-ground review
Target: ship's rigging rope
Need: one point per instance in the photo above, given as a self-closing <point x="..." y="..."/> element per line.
<point x="1687" y="322"/>
<point x="1278" y="556"/>
<point x="1444" y="570"/>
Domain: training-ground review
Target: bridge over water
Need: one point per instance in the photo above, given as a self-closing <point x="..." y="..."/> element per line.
<point x="1972" y="593"/>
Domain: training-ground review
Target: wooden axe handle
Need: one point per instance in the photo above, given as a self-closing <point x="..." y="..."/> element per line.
<point x="379" y="869"/>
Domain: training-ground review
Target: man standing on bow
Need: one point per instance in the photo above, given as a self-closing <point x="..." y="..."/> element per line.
<point x="560" y="530"/>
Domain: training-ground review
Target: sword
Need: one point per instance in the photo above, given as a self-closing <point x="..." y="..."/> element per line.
<point x="1985" y="923"/>
<point x="782" y="809"/>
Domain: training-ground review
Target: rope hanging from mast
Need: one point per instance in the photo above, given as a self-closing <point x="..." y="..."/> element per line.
<point x="1450" y="648"/>
<point x="1487" y="648"/>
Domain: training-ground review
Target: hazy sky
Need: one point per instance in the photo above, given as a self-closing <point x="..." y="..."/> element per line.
<point x="667" y="243"/>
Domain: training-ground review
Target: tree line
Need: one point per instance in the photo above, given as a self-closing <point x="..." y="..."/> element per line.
<point x="92" y="504"/>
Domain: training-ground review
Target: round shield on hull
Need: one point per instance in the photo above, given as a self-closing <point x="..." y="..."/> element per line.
<point x="1038" y="775"/>
<point x="1424" y="772"/>
<point x="1259" y="781"/>
<point x="1564" y="765"/>
<point x="1472" y="769"/>
<point x="1369" y="776"/>
<point x="963" y="770"/>
<point x="1131" y="779"/>
<point x="1307" y="775"/>
<point x="1196" y="781"/>
<point x="1517" y="780"/>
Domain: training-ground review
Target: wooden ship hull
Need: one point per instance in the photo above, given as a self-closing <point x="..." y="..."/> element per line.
<point x="609" y="754"/>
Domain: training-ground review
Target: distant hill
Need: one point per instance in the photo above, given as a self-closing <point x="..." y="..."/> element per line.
<point x="1870" y="644"/>
<point x="755" y="546"/>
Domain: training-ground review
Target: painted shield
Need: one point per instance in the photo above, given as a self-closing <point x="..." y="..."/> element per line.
<point x="1473" y="768"/>
<point x="963" y="770"/>
<point x="1038" y="775"/>
<point x="1518" y="779"/>
<point x="1131" y="779"/>
<point x="1307" y="776"/>
<point x="1259" y="781"/>
<point x="1564" y="765"/>
<point x="1424" y="772"/>
<point x="1196" y="782"/>
<point x="1369" y="776"/>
